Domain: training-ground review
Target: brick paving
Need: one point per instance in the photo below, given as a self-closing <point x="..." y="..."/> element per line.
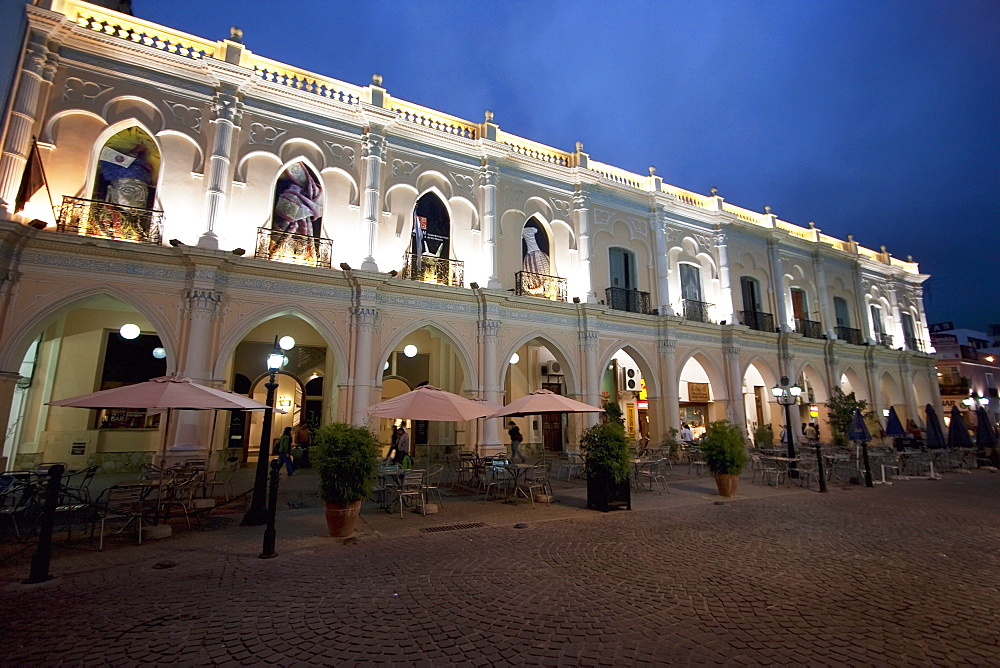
<point x="900" y="575"/>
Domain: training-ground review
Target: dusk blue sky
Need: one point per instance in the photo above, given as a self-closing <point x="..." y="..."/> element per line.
<point x="879" y="119"/>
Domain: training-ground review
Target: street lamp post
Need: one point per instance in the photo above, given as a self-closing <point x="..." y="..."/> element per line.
<point x="256" y="515"/>
<point x="786" y="396"/>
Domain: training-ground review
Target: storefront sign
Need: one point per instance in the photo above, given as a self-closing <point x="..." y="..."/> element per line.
<point x="698" y="392"/>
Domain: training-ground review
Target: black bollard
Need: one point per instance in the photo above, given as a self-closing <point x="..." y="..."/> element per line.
<point x="868" y="468"/>
<point x="819" y="467"/>
<point x="42" y="557"/>
<point x="272" y="506"/>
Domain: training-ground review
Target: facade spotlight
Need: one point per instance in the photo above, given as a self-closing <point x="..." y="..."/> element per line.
<point x="176" y="242"/>
<point x="576" y="300"/>
<point x="393" y="273"/>
<point x="474" y="285"/>
<point x="345" y="266"/>
<point x="239" y="252"/>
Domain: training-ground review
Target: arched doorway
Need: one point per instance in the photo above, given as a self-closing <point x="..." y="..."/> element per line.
<point x="696" y="396"/>
<point x="625" y="384"/>
<point x="538" y="364"/>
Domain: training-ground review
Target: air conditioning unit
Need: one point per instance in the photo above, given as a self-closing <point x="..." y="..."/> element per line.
<point x="629" y="380"/>
<point x="551" y="369"/>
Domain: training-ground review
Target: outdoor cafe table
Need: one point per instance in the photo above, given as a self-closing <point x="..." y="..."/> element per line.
<point x="517" y="472"/>
<point x="390" y="481"/>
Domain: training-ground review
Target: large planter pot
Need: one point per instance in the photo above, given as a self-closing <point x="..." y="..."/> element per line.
<point x="727" y="484"/>
<point x="604" y="494"/>
<point x="340" y="518"/>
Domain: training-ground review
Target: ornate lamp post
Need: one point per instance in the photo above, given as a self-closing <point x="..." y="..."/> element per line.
<point x="257" y="513"/>
<point x="787" y="395"/>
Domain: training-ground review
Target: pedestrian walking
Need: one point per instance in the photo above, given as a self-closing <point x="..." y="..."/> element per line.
<point x="285" y="451"/>
<point x="402" y="447"/>
<point x="515" y="441"/>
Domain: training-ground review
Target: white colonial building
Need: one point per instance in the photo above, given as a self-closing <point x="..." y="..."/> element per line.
<point x="216" y="199"/>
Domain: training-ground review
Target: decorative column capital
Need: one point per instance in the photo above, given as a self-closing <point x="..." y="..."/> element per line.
<point x="665" y="347"/>
<point x="731" y="351"/>
<point x="588" y="340"/>
<point x="373" y="145"/>
<point x="581" y="200"/>
<point x="365" y="318"/>
<point x="203" y="302"/>
<point x="227" y="105"/>
<point x="488" y="329"/>
<point x="720" y="238"/>
<point x="488" y="175"/>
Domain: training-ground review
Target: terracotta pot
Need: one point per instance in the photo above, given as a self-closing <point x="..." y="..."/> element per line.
<point x="340" y="518"/>
<point x="727" y="484"/>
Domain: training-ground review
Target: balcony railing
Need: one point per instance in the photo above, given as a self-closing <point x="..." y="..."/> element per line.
<point x="430" y="269"/>
<point x="762" y="322"/>
<point x="850" y="335"/>
<point x="809" y="328"/>
<point x="540" y="285"/>
<point x="622" y="299"/>
<point x="913" y="343"/>
<point x="883" y="339"/>
<point x="92" y="218"/>
<point x="291" y="248"/>
<point x="697" y="311"/>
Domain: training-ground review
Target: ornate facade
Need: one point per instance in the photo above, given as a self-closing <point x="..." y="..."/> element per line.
<point x="216" y="199"/>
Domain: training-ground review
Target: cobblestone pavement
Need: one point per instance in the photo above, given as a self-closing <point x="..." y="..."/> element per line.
<point x="898" y="575"/>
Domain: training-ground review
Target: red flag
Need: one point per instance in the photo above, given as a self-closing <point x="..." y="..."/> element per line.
<point x="32" y="180"/>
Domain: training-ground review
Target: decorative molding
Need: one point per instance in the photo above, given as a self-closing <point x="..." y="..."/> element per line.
<point x="373" y="145"/>
<point x="403" y="168"/>
<point x="464" y="184"/>
<point x="602" y="217"/>
<point x="342" y="154"/>
<point x="512" y="197"/>
<point x="265" y="135"/>
<point x="488" y="175"/>
<point x="227" y="105"/>
<point x="488" y="329"/>
<point x="189" y="117"/>
<point x="80" y="91"/>
<point x="561" y="207"/>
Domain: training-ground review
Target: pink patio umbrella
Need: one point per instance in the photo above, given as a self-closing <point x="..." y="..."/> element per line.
<point x="545" y="401"/>
<point x="431" y="403"/>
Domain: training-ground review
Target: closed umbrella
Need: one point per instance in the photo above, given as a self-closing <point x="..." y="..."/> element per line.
<point x="893" y="426"/>
<point x="935" y="435"/>
<point x="986" y="437"/>
<point x="958" y="435"/>
<point x="859" y="432"/>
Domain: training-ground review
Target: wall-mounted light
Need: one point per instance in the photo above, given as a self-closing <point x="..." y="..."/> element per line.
<point x="286" y="343"/>
<point x="284" y="403"/>
<point x="474" y="285"/>
<point x="175" y="243"/>
<point x="345" y="266"/>
<point x="410" y="350"/>
<point x="515" y="358"/>
<point x="159" y="353"/>
<point x="576" y="300"/>
<point x="129" y="331"/>
<point x="385" y="367"/>
<point x="393" y="273"/>
<point x="239" y="251"/>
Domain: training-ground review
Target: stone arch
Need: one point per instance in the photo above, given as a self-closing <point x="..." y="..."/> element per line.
<point x="48" y="131"/>
<point x="124" y="107"/>
<point x="31" y="325"/>
<point x="855" y="383"/>
<point x="296" y="148"/>
<point x="455" y="338"/>
<point x="341" y="188"/>
<point x="817" y="382"/>
<point x="241" y="166"/>
<point x="317" y="230"/>
<point x="646" y="368"/>
<point x="716" y="378"/>
<point x="436" y="181"/>
<point x="102" y="139"/>
<point x="572" y="376"/>
<point x="189" y="141"/>
<point x="891" y="392"/>
<point x="536" y="206"/>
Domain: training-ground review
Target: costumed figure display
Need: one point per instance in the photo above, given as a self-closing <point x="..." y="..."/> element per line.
<point x="129" y="178"/>
<point x="535" y="263"/>
<point x="298" y="212"/>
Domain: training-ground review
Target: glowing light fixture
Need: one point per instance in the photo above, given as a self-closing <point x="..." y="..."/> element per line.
<point x="410" y="350"/>
<point x="159" y="353"/>
<point x="129" y="331"/>
<point x="286" y="343"/>
<point x="515" y="358"/>
<point x="385" y="367"/>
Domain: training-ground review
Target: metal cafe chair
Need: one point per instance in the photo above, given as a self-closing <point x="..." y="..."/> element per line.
<point x="124" y="503"/>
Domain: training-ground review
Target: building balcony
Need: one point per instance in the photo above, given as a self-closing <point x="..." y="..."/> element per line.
<point x="883" y="339"/>
<point x="762" y="322"/>
<point x="913" y="343"/>
<point x="850" y="335"/>
<point x="697" y="311"/>
<point x="540" y="285"/>
<point x="289" y="248"/>
<point x="809" y="328"/>
<point x="430" y="269"/>
<point x="632" y="301"/>
<point x="92" y="218"/>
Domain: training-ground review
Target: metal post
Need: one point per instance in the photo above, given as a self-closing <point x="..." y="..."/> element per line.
<point x="255" y="516"/>
<point x="793" y="469"/>
<point x="819" y="467"/>
<point x="868" y="468"/>
<point x="267" y="552"/>
<point x="42" y="557"/>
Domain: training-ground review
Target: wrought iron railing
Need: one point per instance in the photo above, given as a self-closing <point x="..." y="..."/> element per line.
<point x="92" y="218"/>
<point x="622" y="299"/>
<point x="762" y="322"/>
<point x="850" y="335"/>
<point x="291" y="248"/>
<point x="697" y="311"/>
<point x="883" y="339"/>
<point x="809" y="328"/>
<point x="913" y="343"/>
<point x="540" y="285"/>
<point x="430" y="269"/>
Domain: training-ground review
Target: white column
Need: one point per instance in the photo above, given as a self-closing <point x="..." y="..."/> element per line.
<point x="201" y="310"/>
<point x="897" y="318"/>
<point x="737" y="408"/>
<point x="581" y="209"/>
<point x="228" y="110"/>
<point x="372" y="155"/>
<point x="662" y="266"/>
<point x="829" y="320"/>
<point x="906" y="378"/>
<point x="671" y="384"/>
<point x="365" y="319"/>
<point x="726" y="309"/>
<point x="862" y="303"/>
<point x="592" y="375"/>
<point x="921" y="322"/>
<point x="488" y="195"/>
<point x="778" y="284"/>
<point x="38" y="67"/>
<point x="489" y="338"/>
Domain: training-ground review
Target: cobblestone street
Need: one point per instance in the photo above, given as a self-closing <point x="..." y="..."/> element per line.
<point x="897" y="575"/>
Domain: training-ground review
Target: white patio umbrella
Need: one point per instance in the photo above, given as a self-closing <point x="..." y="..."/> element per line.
<point x="431" y="403"/>
<point x="545" y="401"/>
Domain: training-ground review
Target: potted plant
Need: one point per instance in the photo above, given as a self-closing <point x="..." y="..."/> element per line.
<point x="671" y="446"/>
<point x="763" y="436"/>
<point x="346" y="459"/>
<point x="724" y="451"/>
<point x="607" y="462"/>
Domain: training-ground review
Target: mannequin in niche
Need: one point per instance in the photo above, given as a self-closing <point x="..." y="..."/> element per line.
<point x="536" y="262"/>
<point x="129" y="178"/>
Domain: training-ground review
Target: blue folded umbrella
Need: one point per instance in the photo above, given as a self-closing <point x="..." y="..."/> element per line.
<point x="893" y="427"/>
<point x="858" y="430"/>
